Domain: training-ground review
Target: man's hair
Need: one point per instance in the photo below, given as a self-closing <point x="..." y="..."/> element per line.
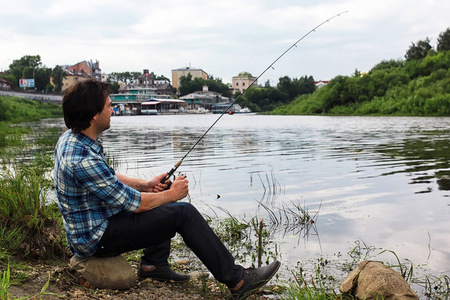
<point x="82" y="102"/>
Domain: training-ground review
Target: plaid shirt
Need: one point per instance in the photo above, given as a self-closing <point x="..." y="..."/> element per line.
<point x="88" y="191"/>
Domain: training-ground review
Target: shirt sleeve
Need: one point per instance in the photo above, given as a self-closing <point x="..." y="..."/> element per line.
<point x="94" y="174"/>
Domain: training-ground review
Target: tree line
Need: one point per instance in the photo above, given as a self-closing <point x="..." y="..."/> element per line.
<point x="418" y="85"/>
<point x="31" y="67"/>
<point x="257" y="99"/>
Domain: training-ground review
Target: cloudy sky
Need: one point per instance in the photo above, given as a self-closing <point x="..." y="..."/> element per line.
<point x="221" y="37"/>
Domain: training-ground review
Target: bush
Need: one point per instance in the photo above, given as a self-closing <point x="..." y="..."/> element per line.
<point x="30" y="226"/>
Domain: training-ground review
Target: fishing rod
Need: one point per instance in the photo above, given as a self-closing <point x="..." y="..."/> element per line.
<point x="175" y="167"/>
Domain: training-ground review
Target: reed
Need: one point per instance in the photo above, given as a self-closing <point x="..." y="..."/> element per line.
<point x="435" y="287"/>
<point x="24" y="214"/>
<point x="30" y="225"/>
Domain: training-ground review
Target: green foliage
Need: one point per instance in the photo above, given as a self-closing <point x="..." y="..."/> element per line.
<point x="320" y="287"/>
<point x="6" y="277"/>
<point x="443" y="41"/>
<point x="124" y="76"/>
<point x="114" y="86"/>
<point x="30" y="226"/>
<point x="29" y="67"/>
<point x="418" y="51"/>
<point x="296" y="87"/>
<point x="386" y="65"/>
<point x="268" y="98"/>
<point x="57" y="75"/>
<point x="263" y="99"/>
<point x="413" y="88"/>
<point x="17" y="110"/>
<point x="189" y="85"/>
<point x="11" y="135"/>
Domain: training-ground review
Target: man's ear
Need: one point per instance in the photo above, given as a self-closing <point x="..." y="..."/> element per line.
<point x="94" y="118"/>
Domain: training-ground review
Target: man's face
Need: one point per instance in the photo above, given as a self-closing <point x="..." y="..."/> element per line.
<point x="104" y="117"/>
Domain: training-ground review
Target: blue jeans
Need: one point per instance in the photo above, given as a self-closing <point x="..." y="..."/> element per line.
<point x="152" y="231"/>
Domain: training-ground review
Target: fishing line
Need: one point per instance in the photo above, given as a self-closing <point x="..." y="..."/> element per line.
<point x="175" y="167"/>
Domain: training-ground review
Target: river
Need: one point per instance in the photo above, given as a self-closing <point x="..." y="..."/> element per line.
<point x="370" y="183"/>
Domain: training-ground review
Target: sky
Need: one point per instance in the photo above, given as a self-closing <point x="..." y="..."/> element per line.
<point x="223" y="38"/>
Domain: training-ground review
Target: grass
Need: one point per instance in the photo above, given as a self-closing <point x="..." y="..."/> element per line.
<point x="6" y="282"/>
<point x="29" y="226"/>
<point x="18" y="110"/>
<point x="302" y="289"/>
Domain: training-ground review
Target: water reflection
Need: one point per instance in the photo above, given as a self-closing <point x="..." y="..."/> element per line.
<point x="381" y="180"/>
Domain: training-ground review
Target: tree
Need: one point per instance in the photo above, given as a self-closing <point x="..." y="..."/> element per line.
<point x="285" y="86"/>
<point x="388" y="64"/>
<point x="444" y="41"/>
<point x="162" y="77"/>
<point x="115" y="86"/>
<point x="125" y="76"/>
<point x="42" y="78"/>
<point x="418" y="51"/>
<point x="189" y="85"/>
<point x="296" y="87"/>
<point x="57" y="75"/>
<point x="26" y="68"/>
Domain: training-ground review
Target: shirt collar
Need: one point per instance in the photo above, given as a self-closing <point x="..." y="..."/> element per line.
<point x="95" y="145"/>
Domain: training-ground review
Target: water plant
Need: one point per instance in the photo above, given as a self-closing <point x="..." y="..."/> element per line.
<point x="29" y="224"/>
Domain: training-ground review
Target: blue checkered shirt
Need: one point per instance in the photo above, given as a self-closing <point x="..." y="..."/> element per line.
<point x="88" y="191"/>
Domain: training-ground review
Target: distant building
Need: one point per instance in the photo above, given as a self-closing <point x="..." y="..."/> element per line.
<point x="242" y="81"/>
<point x="5" y="84"/>
<point x="146" y="95"/>
<point x="204" y="99"/>
<point x="86" y="69"/>
<point x="195" y="73"/>
<point x="106" y="77"/>
<point x="321" y="83"/>
<point x="145" y="87"/>
<point x="79" y="72"/>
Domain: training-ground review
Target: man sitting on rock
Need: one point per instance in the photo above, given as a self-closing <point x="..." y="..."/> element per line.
<point x="107" y="214"/>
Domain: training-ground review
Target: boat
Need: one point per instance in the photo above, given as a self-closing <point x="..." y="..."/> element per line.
<point x="148" y="111"/>
<point x="199" y="110"/>
<point x="244" y="110"/>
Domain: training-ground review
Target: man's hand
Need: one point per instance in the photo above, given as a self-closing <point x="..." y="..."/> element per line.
<point x="180" y="188"/>
<point x="177" y="191"/>
<point x="155" y="184"/>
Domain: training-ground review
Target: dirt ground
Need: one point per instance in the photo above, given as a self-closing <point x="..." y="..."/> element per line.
<point x="65" y="283"/>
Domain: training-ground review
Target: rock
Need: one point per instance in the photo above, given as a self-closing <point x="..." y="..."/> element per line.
<point x="113" y="273"/>
<point x="199" y="275"/>
<point x="373" y="280"/>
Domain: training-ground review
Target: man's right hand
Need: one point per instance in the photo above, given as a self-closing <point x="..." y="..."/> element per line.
<point x="179" y="188"/>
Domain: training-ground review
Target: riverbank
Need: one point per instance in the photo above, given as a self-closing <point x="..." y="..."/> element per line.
<point x="57" y="281"/>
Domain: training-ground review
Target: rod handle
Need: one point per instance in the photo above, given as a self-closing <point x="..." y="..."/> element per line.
<point x="174" y="168"/>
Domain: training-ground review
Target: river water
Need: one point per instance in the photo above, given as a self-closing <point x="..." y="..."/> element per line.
<point x="369" y="181"/>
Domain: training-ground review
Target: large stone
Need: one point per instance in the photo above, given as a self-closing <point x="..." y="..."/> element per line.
<point x="373" y="280"/>
<point x="105" y="272"/>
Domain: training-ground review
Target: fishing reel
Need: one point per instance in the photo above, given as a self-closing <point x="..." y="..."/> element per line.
<point x="173" y="177"/>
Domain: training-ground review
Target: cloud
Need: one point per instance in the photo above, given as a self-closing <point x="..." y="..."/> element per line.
<point x="222" y="38"/>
